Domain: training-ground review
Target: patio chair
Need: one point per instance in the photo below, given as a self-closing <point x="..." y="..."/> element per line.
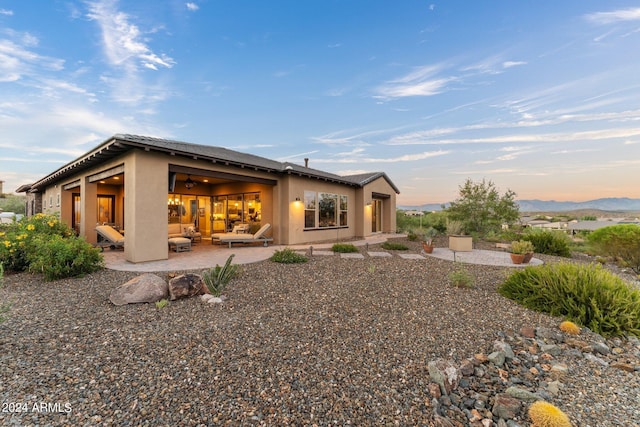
<point x="111" y="237"/>
<point x="243" y="237"/>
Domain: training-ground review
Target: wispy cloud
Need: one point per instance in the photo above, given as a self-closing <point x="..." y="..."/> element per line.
<point x="6" y="12"/>
<point x="123" y="42"/>
<point x="192" y="6"/>
<point x="127" y="52"/>
<point x="422" y="81"/>
<point x="349" y="137"/>
<point x="593" y="135"/>
<point x="17" y="59"/>
<point x="403" y="158"/>
<point x="620" y="15"/>
<point x="510" y="64"/>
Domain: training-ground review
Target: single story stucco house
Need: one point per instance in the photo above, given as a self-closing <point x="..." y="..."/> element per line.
<point x="145" y="186"/>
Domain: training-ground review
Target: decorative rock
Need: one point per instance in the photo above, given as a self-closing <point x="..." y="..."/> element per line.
<point x="559" y="368"/>
<point x="487" y="422"/>
<point x="552" y="349"/>
<point x="479" y="358"/>
<point x="528" y="332"/>
<point x="186" y="285"/>
<point x="475" y="416"/>
<point x="522" y="394"/>
<point x="554" y="387"/>
<point x="577" y="343"/>
<point x="144" y="288"/>
<point x="550" y="334"/>
<point x="505" y="406"/>
<point x="444" y="374"/>
<point x="497" y="358"/>
<point x="624" y="366"/>
<point x="505" y="348"/>
<point x="434" y="390"/>
<point x="467" y="368"/>
<point x="591" y="358"/>
<point x="215" y="300"/>
<point x="601" y="348"/>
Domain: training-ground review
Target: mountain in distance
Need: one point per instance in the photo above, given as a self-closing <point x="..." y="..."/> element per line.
<point x="618" y="204"/>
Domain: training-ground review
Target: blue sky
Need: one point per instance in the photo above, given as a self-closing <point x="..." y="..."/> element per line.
<point x="542" y="98"/>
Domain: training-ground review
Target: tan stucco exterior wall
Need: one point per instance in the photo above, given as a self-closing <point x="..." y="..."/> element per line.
<point x="381" y="186"/>
<point x="293" y="211"/>
<point x="146" y="181"/>
<point x="141" y="204"/>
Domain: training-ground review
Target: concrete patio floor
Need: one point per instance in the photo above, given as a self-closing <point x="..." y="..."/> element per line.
<point x="205" y="255"/>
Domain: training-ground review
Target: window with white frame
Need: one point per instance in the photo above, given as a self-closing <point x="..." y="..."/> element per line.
<point x="310" y="209"/>
<point x="325" y="210"/>
<point x="343" y="211"/>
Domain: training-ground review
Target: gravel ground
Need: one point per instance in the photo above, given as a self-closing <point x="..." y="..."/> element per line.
<point x="330" y="342"/>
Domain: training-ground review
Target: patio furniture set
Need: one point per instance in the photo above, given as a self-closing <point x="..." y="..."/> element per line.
<point x="180" y="241"/>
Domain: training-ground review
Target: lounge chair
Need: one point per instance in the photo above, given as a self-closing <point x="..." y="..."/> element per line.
<point x="243" y="237"/>
<point x="111" y="237"/>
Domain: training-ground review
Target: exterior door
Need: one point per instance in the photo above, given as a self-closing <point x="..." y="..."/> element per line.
<point x="376" y="216"/>
<point x="75" y="213"/>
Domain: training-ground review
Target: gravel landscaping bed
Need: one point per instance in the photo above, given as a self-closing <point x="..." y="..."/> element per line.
<point x="329" y="342"/>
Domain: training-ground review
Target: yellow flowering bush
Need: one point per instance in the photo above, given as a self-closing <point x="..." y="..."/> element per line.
<point x="44" y="244"/>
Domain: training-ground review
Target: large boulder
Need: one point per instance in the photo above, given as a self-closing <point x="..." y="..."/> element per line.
<point x="186" y="285"/>
<point x="145" y="288"/>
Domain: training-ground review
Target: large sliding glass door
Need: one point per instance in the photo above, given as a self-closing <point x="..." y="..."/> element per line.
<point x="234" y="209"/>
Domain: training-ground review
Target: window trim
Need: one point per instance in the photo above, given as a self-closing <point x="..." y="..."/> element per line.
<point x="338" y="211"/>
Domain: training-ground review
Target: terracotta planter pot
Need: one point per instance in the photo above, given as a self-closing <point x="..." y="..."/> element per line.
<point x="527" y="258"/>
<point x="427" y="248"/>
<point x="517" y="258"/>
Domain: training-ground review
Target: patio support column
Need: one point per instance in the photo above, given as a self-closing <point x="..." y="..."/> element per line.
<point x="145" y="207"/>
<point x="89" y="210"/>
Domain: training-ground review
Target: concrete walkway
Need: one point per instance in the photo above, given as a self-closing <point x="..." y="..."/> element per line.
<point x="205" y="255"/>
<point x="479" y="256"/>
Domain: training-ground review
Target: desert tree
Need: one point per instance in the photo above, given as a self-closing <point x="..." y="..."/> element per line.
<point x="482" y="209"/>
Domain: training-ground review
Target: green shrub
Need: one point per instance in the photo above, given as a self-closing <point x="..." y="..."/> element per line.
<point x="412" y="236"/>
<point x="57" y="257"/>
<point x="454" y="227"/>
<point x="162" y="303"/>
<point x="393" y="246"/>
<point x="549" y="242"/>
<point x="344" y="248"/>
<point x="588" y="295"/>
<point x="621" y="242"/>
<point x="217" y="278"/>
<point x="288" y="256"/>
<point x="521" y="247"/>
<point x="461" y="278"/>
